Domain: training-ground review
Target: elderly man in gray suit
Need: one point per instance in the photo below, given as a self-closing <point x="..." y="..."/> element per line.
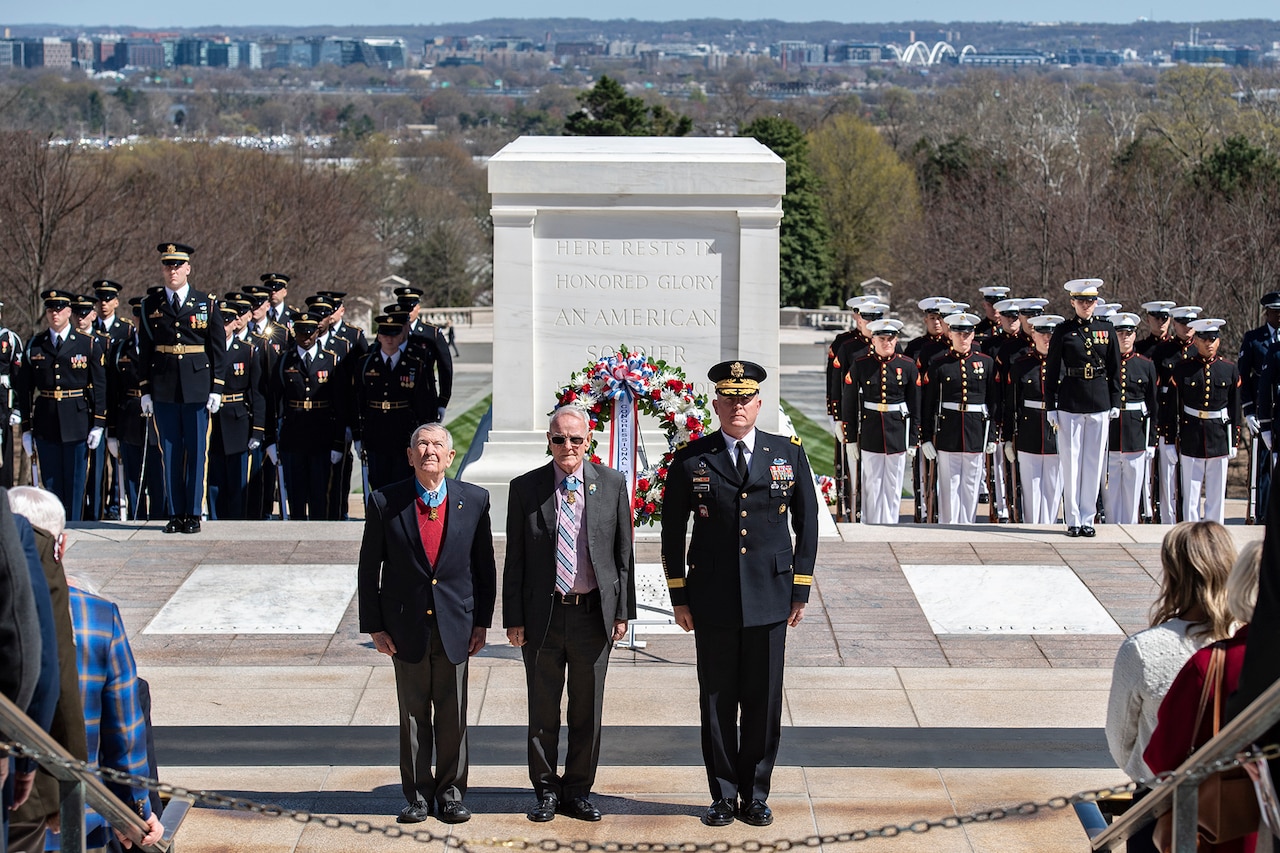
<point x="568" y="590"/>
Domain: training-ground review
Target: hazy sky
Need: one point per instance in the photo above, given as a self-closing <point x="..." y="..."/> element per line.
<point x="342" y="12"/>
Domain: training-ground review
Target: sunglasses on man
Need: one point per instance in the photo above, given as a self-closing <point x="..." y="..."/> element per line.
<point x="575" y="440"/>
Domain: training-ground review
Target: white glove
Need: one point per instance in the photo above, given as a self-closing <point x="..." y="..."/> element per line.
<point x="272" y="455"/>
<point x="15" y="418"/>
<point x="1266" y="439"/>
<point x="95" y="438"/>
<point x="1052" y="417"/>
<point x="255" y="443"/>
<point x="853" y="450"/>
<point x="5" y="380"/>
<point x="335" y="456"/>
<point x="28" y="447"/>
<point x="990" y="449"/>
<point x="1232" y="452"/>
<point x="1251" y="424"/>
<point x="1010" y="452"/>
<point x="215" y="403"/>
<point x="359" y="447"/>
<point x="929" y="451"/>
<point x="1150" y="453"/>
<point x="440" y="415"/>
<point x="911" y="451"/>
<point x="1114" y="413"/>
<point x="148" y="408"/>
<point x="113" y="447"/>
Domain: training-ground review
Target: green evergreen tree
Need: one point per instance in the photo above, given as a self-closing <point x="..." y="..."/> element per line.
<point x="805" y="240"/>
<point x="607" y="110"/>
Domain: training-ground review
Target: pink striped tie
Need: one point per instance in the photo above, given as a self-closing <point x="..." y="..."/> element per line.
<point x="566" y="537"/>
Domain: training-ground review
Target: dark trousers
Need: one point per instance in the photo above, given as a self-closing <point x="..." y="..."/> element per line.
<point x="62" y="471"/>
<point x="184" y="437"/>
<point x="1264" y="462"/>
<point x="385" y="469"/>
<point x="228" y="482"/>
<point x="740" y="671"/>
<point x="144" y="489"/>
<point x="7" y="474"/>
<point x="95" y="481"/>
<point x="576" y="642"/>
<point x="340" y="486"/>
<point x="306" y="479"/>
<point x="261" y="498"/>
<point x="433" y="684"/>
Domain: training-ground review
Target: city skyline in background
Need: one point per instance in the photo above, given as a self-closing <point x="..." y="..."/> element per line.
<point x="242" y="13"/>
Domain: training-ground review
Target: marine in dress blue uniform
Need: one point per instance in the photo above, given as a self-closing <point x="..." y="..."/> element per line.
<point x="183" y="355"/>
<point x="1132" y="438"/>
<point x="62" y="397"/>
<point x="1166" y="356"/>
<point x="1029" y="440"/>
<point x="740" y="584"/>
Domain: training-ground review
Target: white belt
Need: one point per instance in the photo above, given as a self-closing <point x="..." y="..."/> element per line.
<point x="1218" y="415"/>
<point x="966" y="407"/>
<point x="1033" y="404"/>
<point x="1135" y="407"/>
<point x="886" y="407"/>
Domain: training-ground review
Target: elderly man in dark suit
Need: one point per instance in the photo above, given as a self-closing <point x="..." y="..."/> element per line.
<point x="568" y="589"/>
<point x="427" y="584"/>
<point x="745" y="585"/>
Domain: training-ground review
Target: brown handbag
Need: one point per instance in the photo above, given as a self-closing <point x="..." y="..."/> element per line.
<point x="1228" y="806"/>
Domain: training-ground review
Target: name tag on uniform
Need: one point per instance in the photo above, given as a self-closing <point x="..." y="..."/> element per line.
<point x="702" y="487"/>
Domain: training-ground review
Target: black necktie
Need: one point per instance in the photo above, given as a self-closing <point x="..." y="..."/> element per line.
<point x="306" y="359"/>
<point x="174" y="301"/>
<point x="742" y="461"/>
<point x="57" y="343"/>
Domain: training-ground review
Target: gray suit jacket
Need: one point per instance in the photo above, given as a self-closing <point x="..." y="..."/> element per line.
<point x="529" y="573"/>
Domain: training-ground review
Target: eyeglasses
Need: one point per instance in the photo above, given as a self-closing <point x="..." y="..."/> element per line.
<point x="575" y="440"/>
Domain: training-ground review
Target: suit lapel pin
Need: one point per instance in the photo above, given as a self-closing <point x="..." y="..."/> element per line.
<point x="591" y="489"/>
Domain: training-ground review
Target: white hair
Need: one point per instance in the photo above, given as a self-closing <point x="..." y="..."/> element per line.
<point x="433" y="427"/>
<point x="1242" y="583"/>
<point x="40" y="507"/>
<point x="569" y="410"/>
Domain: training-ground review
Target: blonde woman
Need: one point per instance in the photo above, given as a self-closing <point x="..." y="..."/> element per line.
<point x="1191" y="612"/>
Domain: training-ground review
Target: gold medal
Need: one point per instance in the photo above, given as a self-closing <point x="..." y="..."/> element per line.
<point x="571" y="498"/>
<point x="433" y="514"/>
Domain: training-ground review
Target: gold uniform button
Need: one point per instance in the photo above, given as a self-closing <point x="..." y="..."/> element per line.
<point x="744" y="531"/>
<point x="434" y="581"/>
<point x="744" y="550"/>
<point x="431" y="613"/>
<point x="744" y="495"/>
<point x="744" y="513"/>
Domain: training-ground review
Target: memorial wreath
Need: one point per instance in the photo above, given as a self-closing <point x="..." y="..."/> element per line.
<point x="614" y="390"/>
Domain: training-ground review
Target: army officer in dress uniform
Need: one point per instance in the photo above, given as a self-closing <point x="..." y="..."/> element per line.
<point x="1131" y="444"/>
<point x="745" y="584"/>
<point x="1082" y="394"/>
<point x="1206" y="392"/>
<point x="62" y="397"/>
<point x="135" y="436"/>
<point x="881" y="415"/>
<point x="238" y="426"/>
<point x="183" y="356"/>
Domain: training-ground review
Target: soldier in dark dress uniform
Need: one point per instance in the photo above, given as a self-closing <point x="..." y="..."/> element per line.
<point x="269" y="340"/>
<point x="183" y="357"/>
<point x="990" y="316"/>
<point x="744" y="586"/>
<point x="934" y="345"/>
<point x="881" y="415"/>
<point x="835" y="373"/>
<point x="10" y="362"/>
<point x="934" y="330"/>
<point x="395" y="392"/>
<point x="431" y="338"/>
<point x="1082" y="394"/>
<point x="959" y="385"/>
<point x="311" y="438"/>
<point x="1131" y="443"/>
<point x="278" y="310"/>
<point x="1030" y="442"/>
<point x="1206" y="390"/>
<point x="853" y="348"/>
<point x="1255" y="347"/>
<point x="237" y="425"/>
<point x="1157" y="319"/>
<point x="1166" y="356"/>
<point x="111" y="329"/>
<point x="126" y="426"/>
<point x="83" y="320"/>
<point x="62" y="396"/>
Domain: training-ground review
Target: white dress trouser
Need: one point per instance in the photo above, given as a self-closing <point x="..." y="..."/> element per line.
<point x="1126" y="472"/>
<point x="1041" y="476"/>
<point x="997" y="476"/>
<point x="882" y="475"/>
<point x="1167" y="454"/>
<point x="1082" y="447"/>
<point x="959" y="475"/>
<point x="1207" y="475"/>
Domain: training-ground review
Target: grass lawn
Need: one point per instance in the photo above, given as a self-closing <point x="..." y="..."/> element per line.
<point x="463" y="428"/>
<point x="819" y="445"/>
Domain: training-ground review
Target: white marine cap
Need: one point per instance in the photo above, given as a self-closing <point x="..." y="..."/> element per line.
<point x="873" y="307"/>
<point x="1083" y="286"/>
<point x="1046" y="322"/>
<point x="884" y="327"/>
<point x="1102" y="310"/>
<point x="1033" y="304"/>
<point x="1005" y="306"/>
<point x="1207" y="327"/>
<point x="1122" y="320"/>
<point x="1159" y="307"/>
<point x="856" y="302"/>
<point x="1186" y="313"/>
<point x="961" y="322"/>
<point x="930" y="303"/>
<point x="992" y="294"/>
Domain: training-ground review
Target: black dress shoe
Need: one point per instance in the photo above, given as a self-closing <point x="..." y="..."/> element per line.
<point x="545" y="810"/>
<point x="453" y="812"/>
<point x="413" y="813"/>
<point x="1073" y="532"/>
<point x="579" y="808"/>
<point x="174" y="525"/>
<point x="719" y="813"/>
<point x="1088" y="531"/>
<point x="192" y="524"/>
<point x="756" y="813"/>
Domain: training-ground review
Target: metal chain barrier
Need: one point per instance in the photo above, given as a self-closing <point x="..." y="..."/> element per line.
<point x="551" y="845"/>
